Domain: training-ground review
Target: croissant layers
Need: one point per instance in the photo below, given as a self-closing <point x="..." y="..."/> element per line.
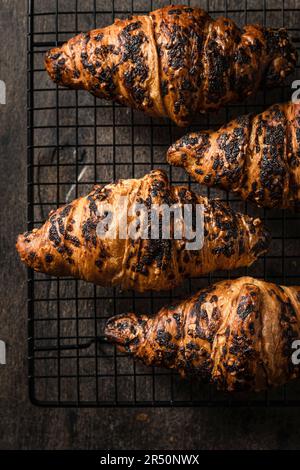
<point x="174" y="62"/>
<point x="256" y="157"/>
<point x="237" y="334"/>
<point x="68" y="243"/>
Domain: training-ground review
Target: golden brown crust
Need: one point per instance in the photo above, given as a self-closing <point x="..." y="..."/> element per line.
<point x="237" y="334"/>
<point x="257" y="157"/>
<point x="176" y="62"/>
<point x="67" y="244"/>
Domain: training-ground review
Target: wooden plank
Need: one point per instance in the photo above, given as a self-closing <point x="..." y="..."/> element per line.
<point x="25" y="426"/>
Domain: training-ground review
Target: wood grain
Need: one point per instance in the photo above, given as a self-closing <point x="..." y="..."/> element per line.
<point x="23" y="426"/>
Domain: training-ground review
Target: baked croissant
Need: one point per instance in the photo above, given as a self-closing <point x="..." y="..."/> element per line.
<point x="256" y="157"/>
<point x="237" y="334"/>
<point x="68" y="244"/>
<point x="174" y="62"/>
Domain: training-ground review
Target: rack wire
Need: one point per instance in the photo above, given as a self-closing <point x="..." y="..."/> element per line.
<point x="75" y="140"/>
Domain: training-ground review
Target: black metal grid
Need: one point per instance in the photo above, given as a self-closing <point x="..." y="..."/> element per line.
<point x="74" y="141"/>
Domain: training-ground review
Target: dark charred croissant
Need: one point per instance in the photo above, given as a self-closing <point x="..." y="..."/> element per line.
<point x="237" y="334"/>
<point x="257" y="157"/>
<point x="68" y="243"/>
<point x="175" y="62"/>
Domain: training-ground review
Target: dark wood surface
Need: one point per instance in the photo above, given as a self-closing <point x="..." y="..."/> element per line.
<point x="23" y="426"/>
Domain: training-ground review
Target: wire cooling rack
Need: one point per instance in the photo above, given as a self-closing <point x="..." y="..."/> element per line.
<point x="75" y="140"/>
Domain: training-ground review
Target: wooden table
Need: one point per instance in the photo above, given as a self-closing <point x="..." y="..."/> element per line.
<point x="23" y="426"/>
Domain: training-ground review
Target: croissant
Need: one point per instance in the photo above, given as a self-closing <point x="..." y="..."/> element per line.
<point x="174" y="62"/>
<point x="237" y="334"/>
<point x="256" y="157"/>
<point x="69" y="242"/>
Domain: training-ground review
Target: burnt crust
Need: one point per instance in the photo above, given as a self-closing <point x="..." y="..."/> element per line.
<point x="236" y="334"/>
<point x="257" y="157"/>
<point x="174" y="64"/>
<point x="68" y="243"/>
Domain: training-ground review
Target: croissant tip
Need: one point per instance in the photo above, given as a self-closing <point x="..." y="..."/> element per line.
<point x="174" y="157"/>
<point x="157" y="172"/>
<point x="122" y="329"/>
<point x="21" y="247"/>
<point x="27" y="247"/>
<point x="55" y="64"/>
